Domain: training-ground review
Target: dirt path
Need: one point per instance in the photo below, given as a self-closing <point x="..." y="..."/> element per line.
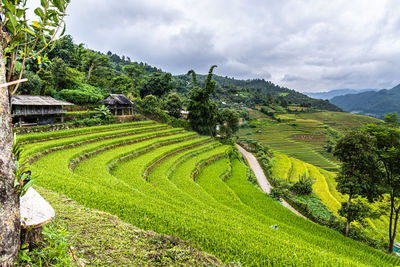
<point x="261" y="178"/>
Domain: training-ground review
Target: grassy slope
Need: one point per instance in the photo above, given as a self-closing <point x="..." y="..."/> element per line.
<point x="233" y="222"/>
<point x="101" y="239"/>
<point x="302" y="136"/>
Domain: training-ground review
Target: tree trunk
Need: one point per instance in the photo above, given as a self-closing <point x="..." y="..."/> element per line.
<point x="393" y="236"/>
<point x="391" y="240"/>
<point x="9" y="204"/>
<point x="32" y="236"/>
<point x="347" y="228"/>
<point x="90" y="71"/>
<point x="348" y="217"/>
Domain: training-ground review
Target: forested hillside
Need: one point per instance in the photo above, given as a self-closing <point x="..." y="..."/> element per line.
<point x="254" y="92"/>
<point x="375" y="104"/>
<point x="77" y="74"/>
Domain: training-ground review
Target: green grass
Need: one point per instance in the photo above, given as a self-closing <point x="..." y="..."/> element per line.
<point x="230" y="219"/>
<point x="101" y="239"/>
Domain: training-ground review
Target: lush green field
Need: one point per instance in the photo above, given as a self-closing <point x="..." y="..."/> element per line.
<point x="303" y="135"/>
<point x="324" y="186"/>
<point x="175" y="182"/>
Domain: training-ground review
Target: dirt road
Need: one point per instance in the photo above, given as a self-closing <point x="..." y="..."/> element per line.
<point x="261" y="178"/>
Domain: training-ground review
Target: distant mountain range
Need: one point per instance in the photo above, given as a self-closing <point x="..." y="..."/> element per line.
<point x="337" y="92"/>
<point x="374" y="104"/>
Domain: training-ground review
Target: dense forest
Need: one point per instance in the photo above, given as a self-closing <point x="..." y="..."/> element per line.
<point x="77" y="74"/>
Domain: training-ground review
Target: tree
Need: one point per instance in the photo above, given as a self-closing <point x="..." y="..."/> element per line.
<point x="202" y="113"/>
<point x="65" y="49"/>
<point x="90" y="61"/>
<point x="356" y="210"/>
<point x="359" y="175"/>
<point x="33" y="86"/>
<point x="20" y="40"/>
<point x="150" y="104"/>
<point x="392" y="119"/>
<point x="229" y="122"/>
<point x="121" y="85"/>
<point x="58" y="70"/>
<point x="156" y="84"/>
<point x="387" y="149"/>
<point x="173" y="105"/>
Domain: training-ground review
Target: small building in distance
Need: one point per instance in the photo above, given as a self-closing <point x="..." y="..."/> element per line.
<point x="34" y="109"/>
<point x="118" y="104"/>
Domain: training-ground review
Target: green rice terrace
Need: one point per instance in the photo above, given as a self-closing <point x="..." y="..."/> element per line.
<point x="178" y="183"/>
<point x="303" y="135"/>
<point x="298" y="143"/>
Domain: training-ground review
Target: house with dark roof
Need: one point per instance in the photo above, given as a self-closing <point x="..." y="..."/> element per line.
<point x="33" y="109"/>
<point x="118" y="104"/>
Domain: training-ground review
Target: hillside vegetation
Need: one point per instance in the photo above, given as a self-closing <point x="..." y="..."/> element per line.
<point x="177" y="183"/>
<point x="77" y="74"/>
<point x="303" y="143"/>
<point x="375" y="104"/>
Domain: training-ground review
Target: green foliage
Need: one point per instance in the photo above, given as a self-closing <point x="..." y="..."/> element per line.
<point x="121" y="85"/>
<point x="54" y="250"/>
<point x="104" y="113"/>
<point x="251" y="92"/>
<point x="228" y="120"/>
<point x="150" y="104"/>
<point x="81" y="94"/>
<point x="156" y="84"/>
<point x="303" y="186"/>
<point x="202" y="113"/>
<point x="58" y="70"/>
<point x="173" y="105"/>
<point x="33" y="86"/>
<point x="359" y="172"/>
<point x="392" y="119"/>
<point x="23" y="179"/>
<point x="387" y="150"/>
<point x="22" y="39"/>
<point x="357" y="210"/>
<point x="275" y="193"/>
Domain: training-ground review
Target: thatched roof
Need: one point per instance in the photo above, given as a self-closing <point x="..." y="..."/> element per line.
<point x="36" y="100"/>
<point x="116" y="99"/>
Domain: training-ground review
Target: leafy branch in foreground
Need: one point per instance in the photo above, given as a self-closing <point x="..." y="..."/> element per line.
<point x="23" y="39"/>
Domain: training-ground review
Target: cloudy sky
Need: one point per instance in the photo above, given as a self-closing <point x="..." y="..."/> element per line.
<point x="309" y="45"/>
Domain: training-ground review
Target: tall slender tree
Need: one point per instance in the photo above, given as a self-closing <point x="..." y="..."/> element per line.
<point x="388" y="151"/>
<point x="359" y="173"/>
<point x="20" y="40"/>
<point x="202" y="112"/>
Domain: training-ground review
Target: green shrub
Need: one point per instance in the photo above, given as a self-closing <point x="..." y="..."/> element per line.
<point x="52" y="251"/>
<point x="275" y="193"/>
<point x="303" y="186"/>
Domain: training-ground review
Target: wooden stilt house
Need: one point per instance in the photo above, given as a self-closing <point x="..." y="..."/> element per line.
<point x="33" y="109"/>
<point x="118" y="104"/>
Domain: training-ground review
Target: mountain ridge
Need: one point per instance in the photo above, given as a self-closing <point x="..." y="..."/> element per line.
<point x="337" y="92"/>
<point x="374" y="104"/>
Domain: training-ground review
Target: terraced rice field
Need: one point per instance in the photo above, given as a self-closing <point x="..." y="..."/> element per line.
<point x="304" y="135"/>
<point x="324" y="186"/>
<point x="286" y="138"/>
<point x="178" y="183"/>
